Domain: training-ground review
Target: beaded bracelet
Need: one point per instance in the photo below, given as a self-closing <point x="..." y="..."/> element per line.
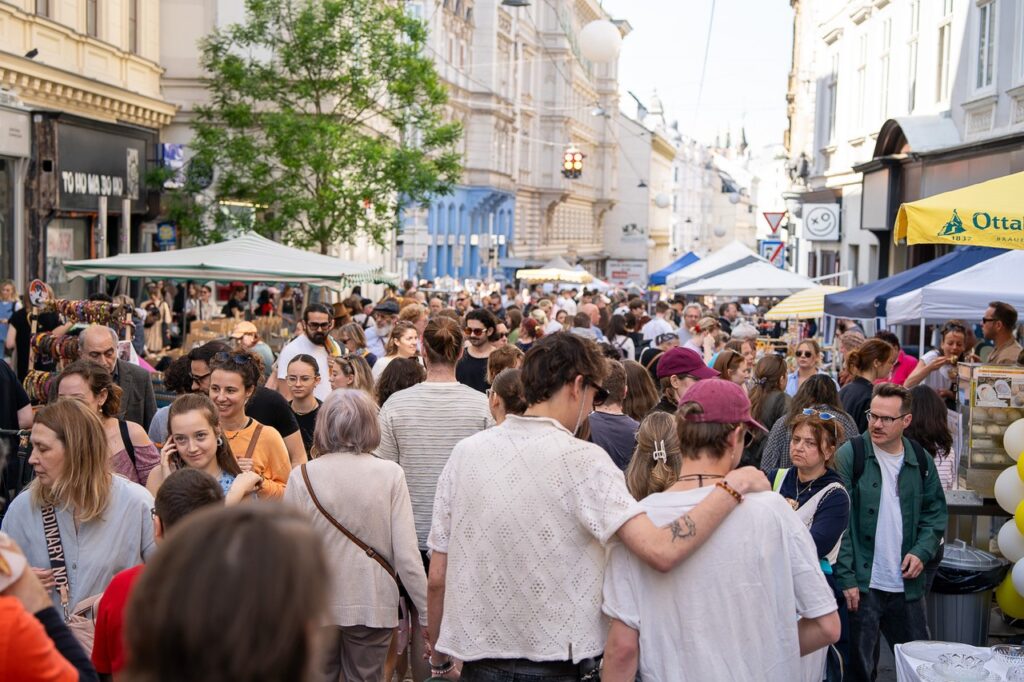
<point x="443" y="669"/>
<point x="729" y="489"/>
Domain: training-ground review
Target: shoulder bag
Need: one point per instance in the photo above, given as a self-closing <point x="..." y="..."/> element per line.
<point x="81" y="619"/>
<point x="370" y="552"/>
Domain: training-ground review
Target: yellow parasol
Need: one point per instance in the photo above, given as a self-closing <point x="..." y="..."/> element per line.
<point x="987" y="214"/>
<point x="806" y="304"/>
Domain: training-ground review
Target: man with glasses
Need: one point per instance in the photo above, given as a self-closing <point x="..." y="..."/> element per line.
<point x="98" y="343"/>
<point x="998" y="326"/>
<point x="522" y="514"/>
<point x="897" y="518"/>
<point x="481" y="332"/>
<point x="317" y="321"/>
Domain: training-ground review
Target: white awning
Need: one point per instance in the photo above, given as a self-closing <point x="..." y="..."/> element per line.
<point x="755" y="279"/>
<point x="732" y="254"/>
<point x="249" y="258"/>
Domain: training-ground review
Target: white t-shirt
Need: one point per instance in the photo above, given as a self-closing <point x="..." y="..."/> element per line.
<point x="568" y="305"/>
<point x="729" y="612"/>
<point x="523" y="511"/>
<point x="885" y="568"/>
<point x="655" y="328"/>
<point x="302" y="345"/>
<point x="937" y="379"/>
<point x="553" y="326"/>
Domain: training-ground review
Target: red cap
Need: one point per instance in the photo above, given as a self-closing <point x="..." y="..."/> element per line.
<point x="681" y="360"/>
<point x="724" y="402"/>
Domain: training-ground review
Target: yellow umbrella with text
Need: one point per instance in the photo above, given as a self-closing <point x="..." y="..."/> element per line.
<point x="987" y="214"/>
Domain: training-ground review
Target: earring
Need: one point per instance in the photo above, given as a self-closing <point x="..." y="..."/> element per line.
<point x="220" y="441"/>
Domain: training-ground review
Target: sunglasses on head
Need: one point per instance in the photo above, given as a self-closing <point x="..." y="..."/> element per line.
<point x="236" y="358"/>
<point x="823" y="416"/>
<point x="474" y="331"/>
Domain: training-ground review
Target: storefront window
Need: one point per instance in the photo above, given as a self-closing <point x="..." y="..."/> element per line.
<point x="66" y="239"/>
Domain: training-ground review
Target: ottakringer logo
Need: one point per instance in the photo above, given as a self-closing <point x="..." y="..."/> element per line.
<point x="953" y="227"/>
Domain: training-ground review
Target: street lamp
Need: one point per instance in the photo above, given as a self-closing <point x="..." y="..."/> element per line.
<point x="600" y="41"/>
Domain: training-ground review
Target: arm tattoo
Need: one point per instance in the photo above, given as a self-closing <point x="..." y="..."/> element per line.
<point x="677" y="530"/>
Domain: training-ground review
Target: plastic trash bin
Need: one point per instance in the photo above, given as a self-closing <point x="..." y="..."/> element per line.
<point x="961" y="596"/>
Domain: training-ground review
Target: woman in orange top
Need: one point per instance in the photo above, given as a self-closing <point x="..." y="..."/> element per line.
<point x="257" y="447"/>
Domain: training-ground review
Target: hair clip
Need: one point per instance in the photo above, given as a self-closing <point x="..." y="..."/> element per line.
<point x="696" y="329"/>
<point x="660" y="454"/>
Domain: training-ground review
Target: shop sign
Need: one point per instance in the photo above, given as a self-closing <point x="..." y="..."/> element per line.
<point x="95" y="163"/>
<point x="622" y="272"/>
<point x="15" y="134"/>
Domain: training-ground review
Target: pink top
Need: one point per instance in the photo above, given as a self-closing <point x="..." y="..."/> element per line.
<point x="905" y="364"/>
<point x="146" y="458"/>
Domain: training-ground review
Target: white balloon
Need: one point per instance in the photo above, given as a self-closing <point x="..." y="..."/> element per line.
<point x="1013" y="439"/>
<point x="1011" y="542"/>
<point x="1018" y="577"/>
<point x="1009" y="490"/>
<point x="600" y="41"/>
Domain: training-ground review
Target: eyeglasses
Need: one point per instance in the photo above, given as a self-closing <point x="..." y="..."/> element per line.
<point x="823" y="416"/>
<point x="804" y="354"/>
<point x="503" y="335"/>
<point x="475" y="331"/>
<point x="200" y="378"/>
<point x="885" y="420"/>
<point x="320" y="326"/>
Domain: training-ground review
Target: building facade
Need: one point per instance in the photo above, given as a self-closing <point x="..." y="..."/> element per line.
<point x="892" y="101"/>
<point x="91" y="69"/>
<point x="524" y="94"/>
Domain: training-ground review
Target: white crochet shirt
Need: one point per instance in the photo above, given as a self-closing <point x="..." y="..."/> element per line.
<point x="523" y="511"/>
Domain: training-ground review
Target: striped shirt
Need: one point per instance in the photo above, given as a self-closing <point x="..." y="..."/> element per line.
<point x="419" y="426"/>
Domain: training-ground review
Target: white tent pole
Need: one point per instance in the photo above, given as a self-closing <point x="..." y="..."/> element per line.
<point x="920" y="349"/>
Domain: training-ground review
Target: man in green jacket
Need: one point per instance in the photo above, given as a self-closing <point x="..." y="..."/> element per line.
<point x="897" y="519"/>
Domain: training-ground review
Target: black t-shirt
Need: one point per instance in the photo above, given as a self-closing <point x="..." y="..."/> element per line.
<point x="472" y="372"/>
<point x="271" y="409"/>
<point x="307" y="424"/>
<point x="855" y="398"/>
<point x="230" y="307"/>
<point x="616" y="433"/>
<point x="46" y="322"/>
<point x="15" y="399"/>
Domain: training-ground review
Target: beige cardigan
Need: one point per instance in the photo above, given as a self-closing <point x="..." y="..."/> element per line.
<point x="370" y="498"/>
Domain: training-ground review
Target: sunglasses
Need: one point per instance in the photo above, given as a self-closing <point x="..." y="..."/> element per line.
<point x="823" y="416"/>
<point x="600" y="395"/>
<point x="474" y="331"/>
<point x="804" y="354"/>
<point x="748" y="437"/>
<point x="318" y="325"/>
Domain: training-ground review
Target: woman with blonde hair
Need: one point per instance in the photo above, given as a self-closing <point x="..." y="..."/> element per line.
<point x="657" y="459"/>
<point x="351" y="371"/>
<point x="78" y="524"/>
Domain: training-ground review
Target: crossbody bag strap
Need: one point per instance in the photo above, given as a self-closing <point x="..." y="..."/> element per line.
<point x="55" y="550"/>
<point x="252" y="441"/>
<point x="370" y="552"/>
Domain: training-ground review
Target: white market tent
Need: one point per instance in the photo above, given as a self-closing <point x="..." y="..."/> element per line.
<point x="729" y="257"/>
<point x="555" y="270"/>
<point x="248" y="258"/>
<point x="963" y="295"/>
<point x="759" y="278"/>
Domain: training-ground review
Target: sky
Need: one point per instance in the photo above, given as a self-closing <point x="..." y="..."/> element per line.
<point x="747" y="66"/>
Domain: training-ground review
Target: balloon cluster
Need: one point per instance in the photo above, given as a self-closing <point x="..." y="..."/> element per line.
<point x="1009" y="491"/>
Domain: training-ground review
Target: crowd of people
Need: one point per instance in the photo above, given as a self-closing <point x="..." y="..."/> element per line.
<point x="510" y="488"/>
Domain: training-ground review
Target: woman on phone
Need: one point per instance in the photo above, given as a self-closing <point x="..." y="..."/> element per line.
<point x="196" y="440"/>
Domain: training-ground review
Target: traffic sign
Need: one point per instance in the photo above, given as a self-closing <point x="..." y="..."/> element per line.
<point x="774" y="220"/>
<point x="774" y="251"/>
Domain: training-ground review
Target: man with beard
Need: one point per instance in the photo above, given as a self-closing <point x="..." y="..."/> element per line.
<point x="384" y="317"/>
<point x="471" y="369"/>
<point x="314" y="341"/>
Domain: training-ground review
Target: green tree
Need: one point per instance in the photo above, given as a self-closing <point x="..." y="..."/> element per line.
<point x="324" y="114"/>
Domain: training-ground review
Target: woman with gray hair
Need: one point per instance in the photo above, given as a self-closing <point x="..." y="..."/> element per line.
<point x="358" y="503"/>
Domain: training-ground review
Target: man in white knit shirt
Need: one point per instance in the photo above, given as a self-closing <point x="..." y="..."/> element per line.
<point x="521" y="516"/>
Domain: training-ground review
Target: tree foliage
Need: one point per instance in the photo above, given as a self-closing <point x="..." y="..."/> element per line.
<point x="324" y="114"/>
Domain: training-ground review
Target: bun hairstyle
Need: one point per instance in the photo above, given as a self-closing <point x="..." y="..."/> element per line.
<point x="442" y="341"/>
<point x="98" y="379"/>
<point x="508" y="385"/>
<point x="768" y="373"/>
<point x="657" y="458"/>
<point x="862" y="359"/>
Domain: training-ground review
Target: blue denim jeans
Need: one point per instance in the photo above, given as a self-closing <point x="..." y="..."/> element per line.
<point x="473" y="671"/>
<point x="882" y="613"/>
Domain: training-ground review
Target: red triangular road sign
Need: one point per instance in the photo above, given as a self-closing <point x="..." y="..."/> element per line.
<point x="774" y="220"/>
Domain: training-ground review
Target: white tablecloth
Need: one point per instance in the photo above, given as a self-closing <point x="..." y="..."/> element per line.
<point x="906" y="666"/>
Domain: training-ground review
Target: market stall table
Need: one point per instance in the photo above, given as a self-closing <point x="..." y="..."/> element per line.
<point x="908" y="667"/>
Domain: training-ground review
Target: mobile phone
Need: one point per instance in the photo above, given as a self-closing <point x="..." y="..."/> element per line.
<point x="176" y="459"/>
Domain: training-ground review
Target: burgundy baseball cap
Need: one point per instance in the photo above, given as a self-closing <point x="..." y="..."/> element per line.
<point x="724" y="402"/>
<point x="681" y="360"/>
